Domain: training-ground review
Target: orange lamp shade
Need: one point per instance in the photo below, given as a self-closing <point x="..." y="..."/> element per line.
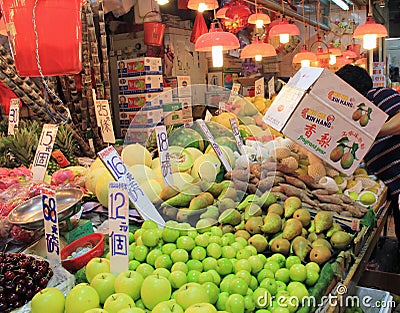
<point x="221" y="12"/>
<point x="256" y="17"/>
<point x="370" y="28"/>
<point x="3" y="30"/>
<point x="304" y="55"/>
<point x="284" y="28"/>
<point x="258" y="50"/>
<point x="334" y="51"/>
<point x="216" y="37"/>
<point x="202" y="5"/>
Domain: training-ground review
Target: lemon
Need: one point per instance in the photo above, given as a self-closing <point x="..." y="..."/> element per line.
<point x="367" y="198"/>
<point x="353" y="195"/>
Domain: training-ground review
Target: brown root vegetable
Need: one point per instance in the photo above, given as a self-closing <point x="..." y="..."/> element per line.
<point x="255" y="169"/>
<point x="254" y="180"/>
<point x="346" y="213"/>
<point x="269" y="166"/>
<point x="285" y="169"/>
<point x="281" y="195"/>
<point x="345" y="198"/>
<point x="295" y="182"/>
<point x="240" y="185"/>
<point x="329" y="199"/>
<point x="243" y="175"/>
<point x="352" y="209"/>
<point x="290" y="190"/>
<point x="276" y="173"/>
<point x="309" y="181"/>
<point x="267" y="183"/>
<point x="322" y="192"/>
<point x="330" y="207"/>
<point x="251" y="188"/>
<point x="277" y="189"/>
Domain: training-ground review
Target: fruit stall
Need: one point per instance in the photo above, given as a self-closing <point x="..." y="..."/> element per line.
<point x="127" y="193"/>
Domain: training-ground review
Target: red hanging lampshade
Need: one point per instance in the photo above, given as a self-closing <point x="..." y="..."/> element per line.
<point x="216" y="41"/>
<point x="259" y="19"/>
<point x="334" y="51"/>
<point x="284" y="30"/>
<point x="350" y="54"/>
<point x="238" y="10"/>
<point x="304" y="57"/>
<point x="257" y="49"/>
<point x="221" y="12"/>
<point x="369" y="32"/>
<point x="202" y="5"/>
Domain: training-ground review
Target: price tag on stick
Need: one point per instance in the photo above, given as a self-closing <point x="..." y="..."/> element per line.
<point x="118" y="221"/>
<point x="104" y="118"/>
<point x="50" y="217"/>
<point x="236" y="133"/>
<point x="13" y="116"/>
<point x="163" y="152"/>
<point x="119" y="171"/>
<point x="234" y="92"/>
<point x="43" y="151"/>
<point x="271" y="87"/>
<point x="215" y="146"/>
<point x="259" y="87"/>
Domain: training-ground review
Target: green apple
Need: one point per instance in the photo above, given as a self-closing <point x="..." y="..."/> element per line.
<point x="312" y="278"/>
<point x="195" y="265"/>
<point x="129" y="282"/>
<point x="133" y="265"/>
<point x="151" y="237"/>
<point x="215" y="239"/>
<point x="230" y="237"/>
<point x="168" y="248"/>
<point x="169" y="306"/>
<point x="224" y="286"/>
<point x="81" y="298"/>
<point x="193" y="276"/>
<point x="216" y="277"/>
<point x="162" y="272"/>
<point x="117" y="302"/>
<point x="294" y="285"/>
<point x="212" y="291"/>
<point x="198" y="253"/>
<point x="163" y="261"/>
<point x="214" y="250"/>
<point x="280" y="285"/>
<point x="290" y="260"/>
<point x="264" y="273"/>
<point x="224" y="266"/>
<point x="239" y="286"/>
<point x="237" y="245"/>
<point x="270" y="285"/>
<point x="185" y="242"/>
<point x="131" y="237"/>
<point x="279" y="309"/>
<point x="242" y="264"/>
<point x="48" y="300"/>
<point x="209" y="263"/>
<point x="169" y="234"/>
<point x="235" y="303"/>
<point x="192" y="232"/>
<point x="249" y="304"/>
<point x="228" y="252"/>
<point x="243" y="254"/>
<point x="145" y="270"/>
<point x="201" y="308"/>
<point x="205" y="277"/>
<point x="140" y="253"/>
<point x="104" y="285"/>
<point x="131" y="310"/>
<point x="253" y="283"/>
<point x="252" y="249"/>
<point x="256" y="264"/>
<point x="272" y="265"/>
<point x="202" y="240"/>
<point x="280" y="258"/>
<point x="155" y="289"/>
<point x="96" y="310"/>
<point x="179" y="255"/>
<point x="283" y="274"/>
<point x="149" y="224"/>
<point x="298" y="272"/>
<point x="139" y="304"/>
<point x="179" y="266"/>
<point x="152" y="256"/>
<point x="177" y="279"/>
<point x="312" y="266"/>
<point x="191" y="293"/>
<point x="221" y="302"/>
<point x="96" y="266"/>
<point x="262" y="298"/>
<point x="242" y="241"/>
<point x="299" y="292"/>
<point x="216" y="231"/>
<point x="263" y="258"/>
<point x="245" y="275"/>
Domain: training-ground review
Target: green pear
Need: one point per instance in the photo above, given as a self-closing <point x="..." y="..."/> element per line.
<point x="340" y="239"/>
<point x="292" y="229"/>
<point x="272" y="223"/>
<point x="231" y="217"/>
<point x="253" y="225"/>
<point x="301" y="247"/>
<point x="259" y="242"/>
<point x="212" y="211"/>
<point x="321" y="242"/>
<point x="323" y="221"/>
<point x="290" y="205"/>
<point x="280" y="245"/>
<point x="303" y="215"/>
<point x="252" y="210"/>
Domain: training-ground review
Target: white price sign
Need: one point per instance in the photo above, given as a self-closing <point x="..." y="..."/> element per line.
<point x="163" y="152"/>
<point x="221" y="107"/>
<point x="13" y="116"/>
<point x="118" y="169"/>
<point x="215" y="146"/>
<point x="118" y="221"/>
<point x="259" y="87"/>
<point x="50" y="217"/>
<point x="271" y="87"/>
<point x="104" y="118"/>
<point x="43" y="151"/>
<point x="236" y="133"/>
<point x="234" y="92"/>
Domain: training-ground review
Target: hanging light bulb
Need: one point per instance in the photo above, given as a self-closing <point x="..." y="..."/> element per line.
<point x="202" y="5"/>
<point x="305" y="63"/>
<point x="217" y="56"/>
<point x="332" y="59"/>
<point x="284" y="30"/>
<point x="304" y="57"/>
<point x="162" y="2"/>
<point x="369" y="32"/>
<point x="369" y="41"/>
<point x="259" y="19"/>
<point x="284" y="38"/>
<point x="257" y="50"/>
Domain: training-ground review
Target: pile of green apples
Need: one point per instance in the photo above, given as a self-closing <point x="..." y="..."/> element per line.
<point x="182" y="269"/>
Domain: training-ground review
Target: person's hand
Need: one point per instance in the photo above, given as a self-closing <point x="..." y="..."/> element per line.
<point x="391" y="127"/>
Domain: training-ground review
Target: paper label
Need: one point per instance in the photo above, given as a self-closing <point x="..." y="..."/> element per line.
<point x="271" y="87"/>
<point x="118" y="169"/>
<point x="104" y="118"/>
<point x="184" y="86"/>
<point x="50" y="217"/>
<point x="259" y="87"/>
<point x="234" y="92"/>
<point x="163" y="152"/>
<point x="60" y="158"/>
<point x="355" y="225"/>
<point x="118" y="220"/>
<point x="221" y="106"/>
<point x="13" y="116"/>
<point x="236" y="133"/>
<point x="215" y="146"/>
<point x="43" y="151"/>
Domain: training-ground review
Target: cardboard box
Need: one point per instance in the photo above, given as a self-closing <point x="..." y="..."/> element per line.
<point x="140" y="84"/>
<point x="172" y="118"/>
<point x="137" y="134"/>
<point x="139" y="66"/>
<point x="321" y="112"/>
<point x="186" y="107"/>
<point x="138" y="101"/>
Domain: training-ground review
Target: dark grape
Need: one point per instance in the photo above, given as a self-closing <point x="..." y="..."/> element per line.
<point x="21" y="289"/>
<point x="43" y="282"/>
<point x="9" y="275"/>
<point x="12" y="297"/>
<point x="29" y="283"/>
<point x="29" y="294"/>
<point x="9" y="285"/>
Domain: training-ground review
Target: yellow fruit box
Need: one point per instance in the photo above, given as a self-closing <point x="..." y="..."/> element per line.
<point x="328" y="117"/>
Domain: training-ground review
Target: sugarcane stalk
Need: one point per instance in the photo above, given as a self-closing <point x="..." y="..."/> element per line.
<point x="104" y="53"/>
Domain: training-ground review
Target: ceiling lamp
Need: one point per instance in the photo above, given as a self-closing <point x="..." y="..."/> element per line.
<point x="216" y="41"/>
<point x="304" y="57"/>
<point x="202" y="5"/>
<point x="221" y="12"/>
<point x="284" y="30"/>
<point x="259" y="18"/>
<point x="257" y="50"/>
<point x="333" y="53"/>
<point x="237" y="10"/>
<point x="348" y="54"/>
<point x="162" y="2"/>
<point x="370" y="31"/>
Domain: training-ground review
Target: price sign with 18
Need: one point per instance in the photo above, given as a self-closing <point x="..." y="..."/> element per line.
<point x="163" y="152"/>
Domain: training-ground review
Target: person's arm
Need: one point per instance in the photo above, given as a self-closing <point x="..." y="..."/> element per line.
<point x="391" y="127"/>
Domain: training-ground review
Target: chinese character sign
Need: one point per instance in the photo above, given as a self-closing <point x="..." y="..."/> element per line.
<point x="104" y="120"/>
<point x="49" y="207"/>
<point x="13" y="116"/>
<point x="163" y="152"/>
<point x="43" y="151"/>
<point x="118" y="220"/>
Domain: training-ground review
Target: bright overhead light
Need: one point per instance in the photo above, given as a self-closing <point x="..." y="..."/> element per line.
<point x="162" y="2"/>
<point x="284" y="30"/>
<point x="340" y="3"/>
<point x="369" y="32"/>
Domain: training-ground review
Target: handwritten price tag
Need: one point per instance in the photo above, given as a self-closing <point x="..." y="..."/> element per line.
<point x="355" y="225"/>
<point x="118" y="169"/>
<point x="221" y="106"/>
<point x="163" y="152"/>
<point x="271" y="87"/>
<point x="236" y="133"/>
<point x="259" y="87"/>
<point x="118" y="220"/>
<point x="234" y="92"/>
<point x="43" y="151"/>
<point x="215" y="146"/>
<point x="50" y="217"/>
<point x="104" y="118"/>
<point x="13" y="116"/>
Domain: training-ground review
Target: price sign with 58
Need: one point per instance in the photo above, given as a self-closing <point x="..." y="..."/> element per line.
<point x="49" y="207"/>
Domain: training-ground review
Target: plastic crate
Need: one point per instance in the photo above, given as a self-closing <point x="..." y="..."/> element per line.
<point x="371" y="305"/>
